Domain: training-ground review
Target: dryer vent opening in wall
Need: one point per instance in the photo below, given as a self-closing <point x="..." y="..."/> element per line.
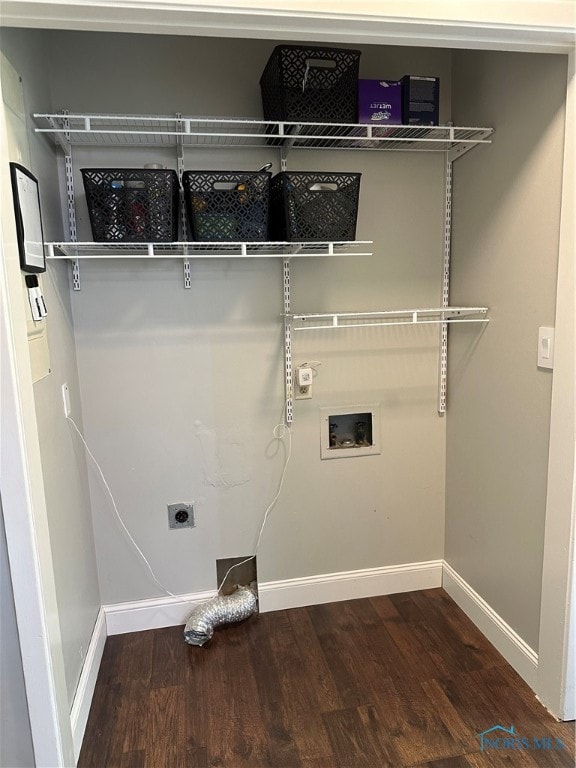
<point x="349" y="431"/>
<point x="232" y="571"/>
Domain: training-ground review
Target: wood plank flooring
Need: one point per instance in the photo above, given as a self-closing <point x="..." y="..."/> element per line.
<point x="402" y="680"/>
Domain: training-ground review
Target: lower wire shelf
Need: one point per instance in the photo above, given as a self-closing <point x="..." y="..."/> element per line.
<point x="420" y="316"/>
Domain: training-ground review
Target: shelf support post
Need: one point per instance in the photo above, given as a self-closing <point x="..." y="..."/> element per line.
<point x="288" y="382"/>
<point x="180" y="159"/>
<point x="71" y="199"/>
<point x="443" y="361"/>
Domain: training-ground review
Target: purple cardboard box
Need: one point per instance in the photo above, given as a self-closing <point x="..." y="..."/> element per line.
<point x="380" y="102"/>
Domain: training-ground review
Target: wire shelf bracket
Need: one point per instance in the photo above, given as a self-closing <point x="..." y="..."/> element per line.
<point x="183" y="224"/>
<point x="71" y="200"/>
<point x="443" y="342"/>
<point x="288" y="373"/>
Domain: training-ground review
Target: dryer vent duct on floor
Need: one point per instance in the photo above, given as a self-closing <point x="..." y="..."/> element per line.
<point x="223" y="609"/>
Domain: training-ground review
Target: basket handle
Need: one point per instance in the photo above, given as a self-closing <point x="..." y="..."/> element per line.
<point x="128" y="184"/>
<point x="328" y="186"/>
<point x="316" y="64"/>
<point x="240" y="185"/>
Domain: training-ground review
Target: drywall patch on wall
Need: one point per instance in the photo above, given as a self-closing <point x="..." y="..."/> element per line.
<point x="224" y="460"/>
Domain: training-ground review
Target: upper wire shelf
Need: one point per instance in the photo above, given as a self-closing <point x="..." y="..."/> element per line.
<point x="206" y="250"/>
<point x="163" y="130"/>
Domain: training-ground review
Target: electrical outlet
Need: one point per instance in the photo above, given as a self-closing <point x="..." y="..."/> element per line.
<point x="180" y="516"/>
<point x="303" y="393"/>
<point x="303" y="383"/>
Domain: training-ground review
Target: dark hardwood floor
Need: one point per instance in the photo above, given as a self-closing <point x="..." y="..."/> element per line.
<point x="402" y="680"/>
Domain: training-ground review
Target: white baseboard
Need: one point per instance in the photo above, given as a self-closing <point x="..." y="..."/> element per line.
<point x="152" y="614"/>
<point x="506" y="640"/>
<point x="278" y="595"/>
<point x="87" y="682"/>
<point x="334" y="587"/>
<point x="348" y="585"/>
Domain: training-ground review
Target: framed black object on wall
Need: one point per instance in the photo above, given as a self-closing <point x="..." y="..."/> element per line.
<point x="28" y="219"/>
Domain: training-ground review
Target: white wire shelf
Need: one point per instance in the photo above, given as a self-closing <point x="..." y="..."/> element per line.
<point x="206" y="250"/>
<point x="164" y="130"/>
<point x="420" y="316"/>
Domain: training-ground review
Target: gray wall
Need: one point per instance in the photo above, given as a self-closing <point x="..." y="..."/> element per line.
<point x="63" y="463"/>
<point x="506" y="219"/>
<point x="181" y="389"/>
<point x="16" y="750"/>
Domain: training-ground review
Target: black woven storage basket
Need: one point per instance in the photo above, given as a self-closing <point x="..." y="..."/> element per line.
<point x="225" y="206"/>
<point x="314" y="206"/>
<point x="132" y="205"/>
<point x="306" y="84"/>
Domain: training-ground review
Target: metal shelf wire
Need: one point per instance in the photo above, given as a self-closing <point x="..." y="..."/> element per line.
<point x="170" y="131"/>
<point x="330" y="320"/>
<point x="206" y="250"/>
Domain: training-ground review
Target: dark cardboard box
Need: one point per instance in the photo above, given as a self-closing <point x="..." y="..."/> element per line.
<point x="420" y="100"/>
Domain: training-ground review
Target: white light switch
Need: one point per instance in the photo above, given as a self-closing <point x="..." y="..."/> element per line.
<point x="545" y="347"/>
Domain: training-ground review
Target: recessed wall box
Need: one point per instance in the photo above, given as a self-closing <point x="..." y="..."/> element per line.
<point x="349" y="431"/>
<point x="245" y="573"/>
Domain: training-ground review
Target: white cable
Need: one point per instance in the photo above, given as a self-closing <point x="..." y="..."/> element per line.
<point x="279" y="432"/>
<point x="127" y="532"/>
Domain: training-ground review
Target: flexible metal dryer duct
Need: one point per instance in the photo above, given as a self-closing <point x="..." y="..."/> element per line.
<point x="223" y="609"/>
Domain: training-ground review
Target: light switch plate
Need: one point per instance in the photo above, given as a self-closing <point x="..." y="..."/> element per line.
<point x="545" y="347"/>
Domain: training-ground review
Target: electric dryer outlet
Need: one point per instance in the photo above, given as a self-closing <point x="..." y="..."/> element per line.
<point x="180" y="516"/>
